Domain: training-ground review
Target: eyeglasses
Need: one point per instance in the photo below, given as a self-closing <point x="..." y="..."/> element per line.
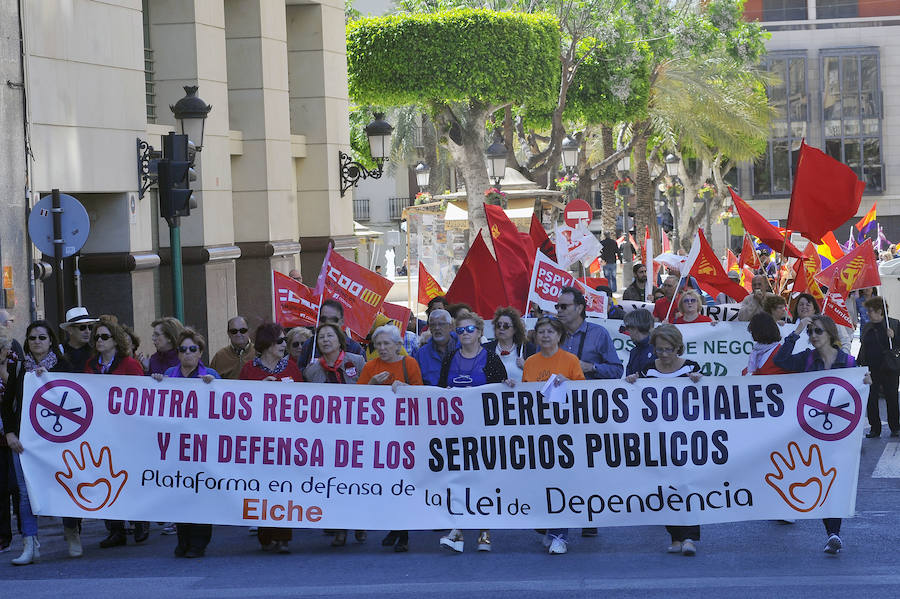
<point x="188" y="349"/>
<point x="242" y="331"/>
<point x="330" y="319"/>
<point x="103" y="336"/>
<point x="816" y="330"/>
<point x="689" y="300"/>
<point x="469" y="328"/>
<point x="296" y="344"/>
<point x="280" y="340"/>
<point x="504" y="325"/>
<point x="665" y="350"/>
<point x="624" y="329"/>
<point x="37" y="337"/>
<point x="561" y="307"/>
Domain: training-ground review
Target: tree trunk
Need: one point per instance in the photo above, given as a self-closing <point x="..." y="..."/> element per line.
<point x="607" y="184"/>
<point x="439" y="180"/>
<point x="643" y="196"/>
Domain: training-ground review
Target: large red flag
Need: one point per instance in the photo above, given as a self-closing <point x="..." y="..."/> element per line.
<point x="836" y="308"/>
<point x="398" y="314"/>
<point x="806" y="268"/>
<point x="749" y="256"/>
<point x="541" y="239"/>
<point x="856" y="270"/>
<point x="756" y="225"/>
<point x="295" y="304"/>
<point x="710" y="275"/>
<point x="478" y="281"/>
<point x="512" y="256"/>
<point x="826" y="194"/>
<point x="359" y="290"/>
<point x="428" y="287"/>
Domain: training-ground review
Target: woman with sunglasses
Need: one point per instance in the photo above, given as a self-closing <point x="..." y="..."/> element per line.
<point x="510" y="342"/>
<point x="825" y="354"/>
<point x="668" y="345"/>
<point x="272" y="363"/>
<point x="335" y="365"/>
<point x="190" y="345"/>
<point x="548" y="361"/>
<point x="296" y="337"/>
<point x="689" y="308"/>
<point x="164" y="338"/>
<point x="112" y="355"/>
<point x="469" y="365"/>
<point x="42" y="355"/>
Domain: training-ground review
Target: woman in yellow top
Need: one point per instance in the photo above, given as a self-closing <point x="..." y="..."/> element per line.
<point x="550" y="360"/>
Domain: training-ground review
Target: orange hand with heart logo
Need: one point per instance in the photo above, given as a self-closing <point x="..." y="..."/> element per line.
<point x="91" y="482"/>
<point x="801" y="481"/>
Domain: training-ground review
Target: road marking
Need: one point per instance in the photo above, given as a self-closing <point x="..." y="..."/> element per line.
<point x="888" y="465"/>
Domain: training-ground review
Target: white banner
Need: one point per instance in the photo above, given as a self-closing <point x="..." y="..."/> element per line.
<point x="342" y="456"/>
<point x="718" y="312"/>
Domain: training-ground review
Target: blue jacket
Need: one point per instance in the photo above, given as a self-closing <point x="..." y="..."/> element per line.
<point x="640" y="357"/>
<point x="175" y="372"/>
<point x="430" y="360"/>
<point x="807" y="360"/>
<point x="592" y="343"/>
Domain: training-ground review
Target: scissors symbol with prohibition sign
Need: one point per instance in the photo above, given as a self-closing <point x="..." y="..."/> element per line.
<point x="814" y="412"/>
<point x="57" y="426"/>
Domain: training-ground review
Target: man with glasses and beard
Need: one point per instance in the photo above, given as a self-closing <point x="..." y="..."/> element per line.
<point x="333" y="312"/>
<point x="229" y="360"/>
<point x="636" y="291"/>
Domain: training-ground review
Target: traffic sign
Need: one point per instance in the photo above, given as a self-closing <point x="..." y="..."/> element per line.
<point x="75" y="226"/>
<point x="578" y="211"/>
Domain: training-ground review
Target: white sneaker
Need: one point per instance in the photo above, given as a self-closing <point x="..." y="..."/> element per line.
<point x="688" y="548"/>
<point x="453" y="540"/>
<point x="558" y="545"/>
<point x="73" y="539"/>
<point x="675" y="547"/>
<point x="834" y="545"/>
<point x="168" y="529"/>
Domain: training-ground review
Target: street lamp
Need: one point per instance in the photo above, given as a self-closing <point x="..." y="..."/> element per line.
<point x="191" y="113"/>
<point x="423" y="175"/>
<point x="672" y="165"/>
<point x="379" y="134"/>
<point x="672" y="162"/>
<point x="496" y="159"/>
<point x="624" y="164"/>
<point x="569" y="153"/>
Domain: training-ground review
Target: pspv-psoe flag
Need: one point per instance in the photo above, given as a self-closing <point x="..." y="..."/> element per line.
<point x="295" y="304"/>
<point x="547" y="281"/>
<point x="359" y="290"/>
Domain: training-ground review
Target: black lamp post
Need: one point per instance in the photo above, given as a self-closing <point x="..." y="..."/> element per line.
<point x="496" y="159"/>
<point x="672" y="162"/>
<point x="379" y="133"/>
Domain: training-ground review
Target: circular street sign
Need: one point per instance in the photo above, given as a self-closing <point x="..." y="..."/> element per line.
<point x="822" y="416"/>
<point x="75" y="226"/>
<point x="578" y="211"/>
<point x="61" y="411"/>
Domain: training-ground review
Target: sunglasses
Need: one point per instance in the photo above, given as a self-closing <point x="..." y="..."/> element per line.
<point x="689" y="300"/>
<point x="103" y="336"/>
<point x="188" y="349"/>
<point x="296" y="344"/>
<point x="816" y="330"/>
<point x="469" y="328"/>
<point x="83" y="327"/>
<point x="561" y="307"/>
<point x="37" y="337"/>
<point x="280" y="340"/>
<point x="330" y="319"/>
<point x="503" y="326"/>
<point x="236" y="331"/>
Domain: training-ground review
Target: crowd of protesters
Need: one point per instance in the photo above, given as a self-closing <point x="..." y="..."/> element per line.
<point x="449" y="351"/>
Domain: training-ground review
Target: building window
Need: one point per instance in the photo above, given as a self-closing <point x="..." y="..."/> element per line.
<point x="149" y="83"/>
<point x="836" y="9"/>
<point x="784" y="10"/>
<point x="851" y="111"/>
<point x="773" y="172"/>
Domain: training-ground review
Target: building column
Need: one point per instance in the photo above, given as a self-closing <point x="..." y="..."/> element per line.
<point x="265" y="206"/>
<point x="319" y="109"/>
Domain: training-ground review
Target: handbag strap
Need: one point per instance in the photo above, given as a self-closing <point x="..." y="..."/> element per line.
<point x="405" y="374"/>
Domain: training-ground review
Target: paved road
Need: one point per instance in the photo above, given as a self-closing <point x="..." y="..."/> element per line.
<point x="748" y="559"/>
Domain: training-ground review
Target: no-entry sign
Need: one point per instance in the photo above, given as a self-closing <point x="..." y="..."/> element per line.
<point x="578" y="211"/>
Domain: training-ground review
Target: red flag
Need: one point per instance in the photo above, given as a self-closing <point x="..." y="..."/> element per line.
<point x="826" y="194"/>
<point x="398" y="314"/>
<point x="541" y="239"/>
<point x="732" y="262"/>
<point x="295" y="304"/>
<point x="478" y="282"/>
<point x="756" y="225"/>
<point x="320" y="281"/>
<point x="710" y="275"/>
<point x="595" y="266"/>
<point x="593" y="282"/>
<point x="511" y="256"/>
<point x="856" y="270"/>
<point x="749" y="257"/>
<point x="359" y="290"/>
<point x="666" y="244"/>
<point x="836" y="308"/>
<point x="528" y="247"/>
<point x="806" y="269"/>
<point x="747" y="279"/>
<point x="428" y="287"/>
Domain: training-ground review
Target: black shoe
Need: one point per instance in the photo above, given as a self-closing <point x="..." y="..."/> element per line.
<point x="390" y="539"/>
<point x="141" y="531"/>
<point x="340" y="538"/>
<point x="115" y="538"/>
<point x="361" y="536"/>
<point x="181" y="550"/>
<point x="402" y="545"/>
<point x="589" y="532"/>
<point x="873" y="435"/>
<point x="195" y="552"/>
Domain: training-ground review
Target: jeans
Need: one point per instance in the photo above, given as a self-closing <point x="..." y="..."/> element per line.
<point x="832" y="526"/>
<point x="29" y="520"/>
<point x="886" y="383"/>
<point x="609" y="273"/>
<point x="9" y="490"/>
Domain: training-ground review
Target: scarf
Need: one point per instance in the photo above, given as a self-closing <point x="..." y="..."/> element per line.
<point x="333" y="374"/>
<point x="280" y="366"/>
<point x="759" y="354"/>
<point x="47" y="362"/>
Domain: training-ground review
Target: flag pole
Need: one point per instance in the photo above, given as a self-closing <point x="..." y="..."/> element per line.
<point x="312" y="353"/>
<point x="781" y="258"/>
<point x="674" y="295"/>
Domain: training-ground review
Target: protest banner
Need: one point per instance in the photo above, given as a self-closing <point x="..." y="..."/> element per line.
<point x="359" y="290"/>
<point x="547" y="281"/>
<point x="295" y="304"/>
<point x="718" y="312"/>
<point x="356" y="456"/>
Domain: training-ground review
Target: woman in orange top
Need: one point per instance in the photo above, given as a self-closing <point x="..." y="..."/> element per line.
<point x="550" y="360"/>
<point x="392" y="368"/>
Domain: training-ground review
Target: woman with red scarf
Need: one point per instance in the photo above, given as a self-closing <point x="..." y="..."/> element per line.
<point x="335" y="365"/>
